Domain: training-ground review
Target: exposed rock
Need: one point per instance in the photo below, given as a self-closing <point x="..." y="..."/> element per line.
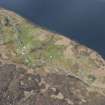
<point x="22" y="88"/>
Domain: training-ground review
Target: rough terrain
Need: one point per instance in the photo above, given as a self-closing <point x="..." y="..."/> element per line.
<point x="19" y="87"/>
<point x="39" y="67"/>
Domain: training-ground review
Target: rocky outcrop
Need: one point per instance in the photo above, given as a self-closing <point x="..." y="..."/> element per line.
<point x="18" y="87"/>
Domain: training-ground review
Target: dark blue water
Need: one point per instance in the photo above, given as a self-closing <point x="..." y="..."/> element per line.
<point x="82" y="20"/>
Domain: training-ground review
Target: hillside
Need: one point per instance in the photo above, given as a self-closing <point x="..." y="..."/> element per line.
<point x="68" y="73"/>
